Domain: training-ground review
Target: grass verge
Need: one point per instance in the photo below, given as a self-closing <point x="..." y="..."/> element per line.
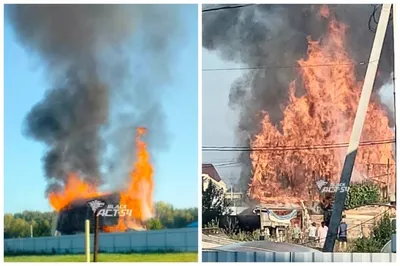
<point x="107" y="257"/>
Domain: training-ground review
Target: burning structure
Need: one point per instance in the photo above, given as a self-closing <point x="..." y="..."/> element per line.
<point x="95" y="105"/>
<point x="71" y="218"/>
<point x="72" y="202"/>
<point x="298" y="103"/>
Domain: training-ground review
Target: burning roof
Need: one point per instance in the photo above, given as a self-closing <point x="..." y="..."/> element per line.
<point x="71" y="219"/>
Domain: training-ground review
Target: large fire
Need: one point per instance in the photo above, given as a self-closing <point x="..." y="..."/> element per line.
<point x="138" y="195"/>
<point x="320" y="118"/>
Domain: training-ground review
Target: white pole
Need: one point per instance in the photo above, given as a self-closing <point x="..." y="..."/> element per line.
<point x="394" y="13"/>
<point x="87" y="239"/>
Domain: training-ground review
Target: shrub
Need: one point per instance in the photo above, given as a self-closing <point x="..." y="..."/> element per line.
<point x="245" y="236"/>
<point x="362" y="194"/>
<point x="381" y="234"/>
<point x="366" y="245"/>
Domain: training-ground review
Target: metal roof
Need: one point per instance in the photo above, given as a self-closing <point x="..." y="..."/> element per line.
<point x="210" y="170"/>
<point x="194" y="224"/>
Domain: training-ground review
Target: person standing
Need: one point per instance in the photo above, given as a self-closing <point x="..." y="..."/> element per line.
<point x="342" y="236"/>
<point x="312" y="233"/>
<point x="322" y="233"/>
<point x="296" y="234"/>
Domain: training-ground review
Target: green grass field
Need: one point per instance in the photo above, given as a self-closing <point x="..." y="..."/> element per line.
<point x="115" y="257"/>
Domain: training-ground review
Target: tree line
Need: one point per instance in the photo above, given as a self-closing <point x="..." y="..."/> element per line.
<point x="19" y="225"/>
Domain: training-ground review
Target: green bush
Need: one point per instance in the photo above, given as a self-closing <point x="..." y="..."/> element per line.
<point x="380" y="235"/>
<point x="244" y="236"/>
<point x="365" y="244"/>
<point x="362" y="194"/>
<point x="383" y="231"/>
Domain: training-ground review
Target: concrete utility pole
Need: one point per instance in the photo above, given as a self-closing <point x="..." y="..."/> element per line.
<point x="357" y="128"/>
<point x="394" y="13"/>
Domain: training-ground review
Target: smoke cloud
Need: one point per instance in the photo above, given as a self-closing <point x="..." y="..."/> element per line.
<point x="106" y="66"/>
<point x="275" y="35"/>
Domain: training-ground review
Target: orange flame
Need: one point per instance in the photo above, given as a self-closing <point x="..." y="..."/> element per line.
<point x="324" y="115"/>
<point x="137" y="197"/>
<point x="74" y="189"/>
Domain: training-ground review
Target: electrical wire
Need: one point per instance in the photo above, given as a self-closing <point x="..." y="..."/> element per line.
<point x="295" y="148"/>
<point x="225" y="8"/>
<point x="374" y="19"/>
<point x="381" y="164"/>
<point x="288" y="66"/>
<point x="219" y="165"/>
<point x="324" y="144"/>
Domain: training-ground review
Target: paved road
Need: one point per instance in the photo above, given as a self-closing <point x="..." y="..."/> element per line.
<point x="214" y="241"/>
<point x="265" y="246"/>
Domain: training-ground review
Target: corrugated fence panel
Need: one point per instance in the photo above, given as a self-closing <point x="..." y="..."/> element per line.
<point x="183" y="239"/>
<point x="225" y="256"/>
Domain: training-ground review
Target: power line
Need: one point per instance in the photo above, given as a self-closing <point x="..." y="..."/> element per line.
<point x="373" y="17"/>
<point x="323" y="144"/>
<point x="288" y="66"/>
<point x="218" y="162"/>
<point x="382" y="164"/>
<point x="237" y="164"/>
<point x="296" y="148"/>
<point x="227" y="164"/>
<point x="225" y="7"/>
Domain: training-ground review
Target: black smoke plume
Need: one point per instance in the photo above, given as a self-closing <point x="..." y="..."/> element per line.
<point x="106" y="66"/>
<point x="275" y="35"/>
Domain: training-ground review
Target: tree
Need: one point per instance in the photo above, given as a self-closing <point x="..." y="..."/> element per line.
<point x="174" y="218"/>
<point x="154" y="224"/>
<point x="381" y="234"/>
<point x="214" y="203"/>
<point x="15" y="227"/>
<point x="44" y="223"/>
<point x="362" y="194"/>
<point x="19" y="224"/>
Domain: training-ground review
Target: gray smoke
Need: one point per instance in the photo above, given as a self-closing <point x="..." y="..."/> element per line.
<point x="275" y="35"/>
<point x="106" y="66"/>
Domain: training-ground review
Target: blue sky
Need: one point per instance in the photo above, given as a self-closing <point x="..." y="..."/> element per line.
<point x="24" y="85"/>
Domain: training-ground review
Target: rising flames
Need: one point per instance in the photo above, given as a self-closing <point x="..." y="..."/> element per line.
<point x="138" y="195"/>
<point x="322" y="117"/>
